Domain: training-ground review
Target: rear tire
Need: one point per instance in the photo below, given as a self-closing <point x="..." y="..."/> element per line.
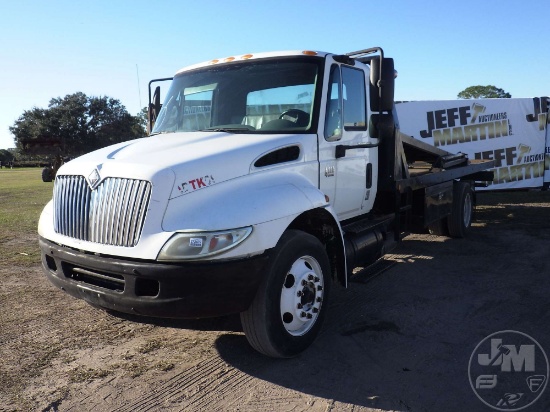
<point x="439" y="227"/>
<point x="460" y="219"/>
<point x="289" y="308"/>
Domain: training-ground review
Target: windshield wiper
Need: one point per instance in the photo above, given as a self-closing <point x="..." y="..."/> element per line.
<point x="163" y="132"/>
<point x="226" y="129"/>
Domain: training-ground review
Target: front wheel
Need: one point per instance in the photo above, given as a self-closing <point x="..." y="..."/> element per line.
<point x="290" y="305"/>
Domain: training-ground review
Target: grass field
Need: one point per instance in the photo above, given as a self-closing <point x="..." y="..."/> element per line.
<point x="23" y="195"/>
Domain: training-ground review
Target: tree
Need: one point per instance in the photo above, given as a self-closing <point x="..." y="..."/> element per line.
<point x="483" y="92"/>
<point x="5" y="156"/>
<point x="143" y="117"/>
<point x="74" y="125"/>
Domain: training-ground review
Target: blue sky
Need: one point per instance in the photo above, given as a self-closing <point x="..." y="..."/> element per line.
<point x="54" y="48"/>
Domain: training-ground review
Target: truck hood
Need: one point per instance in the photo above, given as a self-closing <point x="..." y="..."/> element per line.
<point x="197" y="160"/>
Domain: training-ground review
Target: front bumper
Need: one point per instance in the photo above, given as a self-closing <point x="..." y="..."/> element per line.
<point x="150" y="288"/>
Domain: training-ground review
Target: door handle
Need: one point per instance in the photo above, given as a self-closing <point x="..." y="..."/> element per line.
<point x="369" y="175"/>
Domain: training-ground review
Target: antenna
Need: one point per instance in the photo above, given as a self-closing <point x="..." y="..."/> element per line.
<point x="139" y="91"/>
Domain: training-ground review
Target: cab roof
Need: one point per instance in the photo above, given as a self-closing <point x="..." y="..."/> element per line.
<point x="254" y="56"/>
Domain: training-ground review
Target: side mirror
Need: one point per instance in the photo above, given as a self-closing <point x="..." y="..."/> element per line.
<point x="382" y="84"/>
<point x="381" y="126"/>
<point x="154" y="109"/>
<point x="154" y="104"/>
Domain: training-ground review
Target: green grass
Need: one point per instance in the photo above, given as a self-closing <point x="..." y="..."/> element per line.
<point x="23" y="195"/>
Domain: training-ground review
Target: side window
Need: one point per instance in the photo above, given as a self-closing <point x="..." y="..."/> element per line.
<point x="355" y="112"/>
<point x="333" y="117"/>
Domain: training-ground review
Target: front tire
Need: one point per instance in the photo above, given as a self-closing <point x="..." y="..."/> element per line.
<point x="289" y="308"/>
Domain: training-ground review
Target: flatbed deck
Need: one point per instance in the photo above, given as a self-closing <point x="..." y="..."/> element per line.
<point x="422" y="176"/>
<point x="427" y="165"/>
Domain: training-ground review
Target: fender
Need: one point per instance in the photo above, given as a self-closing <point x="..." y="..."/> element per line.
<point x="244" y="201"/>
<point x="268" y="201"/>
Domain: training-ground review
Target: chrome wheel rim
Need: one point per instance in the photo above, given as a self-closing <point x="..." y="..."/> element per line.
<point x="302" y="296"/>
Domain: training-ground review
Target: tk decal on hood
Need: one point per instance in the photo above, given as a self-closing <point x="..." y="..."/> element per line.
<point x="195" y="184"/>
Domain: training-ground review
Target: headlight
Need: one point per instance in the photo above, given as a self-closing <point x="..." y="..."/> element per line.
<point x="197" y="245"/>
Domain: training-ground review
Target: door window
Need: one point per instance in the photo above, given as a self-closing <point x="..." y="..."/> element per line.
<point x="346" y="90"/>
<point x="354" y="99"/>
<point x="333" y="117"/>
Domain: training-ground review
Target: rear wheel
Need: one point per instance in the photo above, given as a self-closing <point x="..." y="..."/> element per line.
<point x="288" y="310"/>
<point x="439" y="227"/>
<point x="460" y="219"/>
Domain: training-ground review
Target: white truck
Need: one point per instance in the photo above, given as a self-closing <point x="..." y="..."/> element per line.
<point x="265" y="179"/>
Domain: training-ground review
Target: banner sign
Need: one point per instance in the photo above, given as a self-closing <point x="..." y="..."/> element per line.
<point x="512" y="132"/>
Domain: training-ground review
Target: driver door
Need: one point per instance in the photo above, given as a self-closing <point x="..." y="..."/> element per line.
<point x="347" y="180"/>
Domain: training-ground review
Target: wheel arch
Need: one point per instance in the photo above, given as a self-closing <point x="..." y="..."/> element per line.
<point x="322" y="224"/>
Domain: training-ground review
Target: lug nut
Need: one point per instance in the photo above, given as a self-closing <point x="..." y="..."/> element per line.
<point x="315" y="310"/>
<point x="309" y="315"/>
<point x="319" y="287"/>
<point x="309" y="277"/>
<point x="299" y="293"/>
<point x="304" y="282"/>
<point x="303" y="314"/>
<point x="300" y="306"/>
<point x="317" y="279"/>
<point x="319" y="299"/>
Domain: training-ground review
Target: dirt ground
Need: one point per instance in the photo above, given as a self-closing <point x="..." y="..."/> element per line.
<point x="398" y="339"/>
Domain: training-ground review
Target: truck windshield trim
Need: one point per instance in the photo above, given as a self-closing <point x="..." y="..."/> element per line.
<point x="275" y="95"/>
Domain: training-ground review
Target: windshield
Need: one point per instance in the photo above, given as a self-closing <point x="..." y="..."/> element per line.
<point x="263" y="96"/>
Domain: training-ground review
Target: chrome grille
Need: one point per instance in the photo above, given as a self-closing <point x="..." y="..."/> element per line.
<point x="112" y="214"/>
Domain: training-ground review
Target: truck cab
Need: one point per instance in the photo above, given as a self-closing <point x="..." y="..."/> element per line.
<point x="310" y="95"/>
<point x="265" y="179"/>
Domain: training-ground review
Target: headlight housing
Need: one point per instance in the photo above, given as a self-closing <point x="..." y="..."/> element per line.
<point x="198" y="245"/>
